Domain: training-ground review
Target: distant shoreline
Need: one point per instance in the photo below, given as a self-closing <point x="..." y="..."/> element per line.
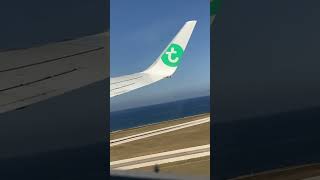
<point x="156" y="123"/>
<point x="137" y="117"/>
<point x="128" y="109"/>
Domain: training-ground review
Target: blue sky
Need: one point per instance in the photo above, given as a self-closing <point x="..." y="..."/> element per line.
<point x="139" y="32"/>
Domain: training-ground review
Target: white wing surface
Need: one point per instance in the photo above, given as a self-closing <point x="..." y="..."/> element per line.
<point x="163" y="67"/>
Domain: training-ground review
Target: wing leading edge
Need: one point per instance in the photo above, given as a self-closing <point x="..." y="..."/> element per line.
<point x="164" y="66"/>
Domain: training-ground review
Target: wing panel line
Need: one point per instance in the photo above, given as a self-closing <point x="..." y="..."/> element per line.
<point x="51" y="60"/>
<point x="126" y="80"/>
<point x="123" y="86"/>
<point x="38" y="80"/>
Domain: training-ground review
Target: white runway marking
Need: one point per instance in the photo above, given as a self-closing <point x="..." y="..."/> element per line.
<point x="158" y="131"/>
<point x="161" y="158"/>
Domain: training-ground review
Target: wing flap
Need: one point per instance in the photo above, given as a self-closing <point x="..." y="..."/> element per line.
<point x="127" y="83"/>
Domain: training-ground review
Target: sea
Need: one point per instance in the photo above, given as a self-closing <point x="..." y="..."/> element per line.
<point x="130" y="118"/>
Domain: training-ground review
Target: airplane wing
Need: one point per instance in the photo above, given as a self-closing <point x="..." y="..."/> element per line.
<point x="31" y="75"/>
<point x="163" y="67"/>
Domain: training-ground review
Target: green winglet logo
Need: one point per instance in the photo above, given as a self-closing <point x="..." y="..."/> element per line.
<point x="173" y="55"/>
<point x="214" y="6"/>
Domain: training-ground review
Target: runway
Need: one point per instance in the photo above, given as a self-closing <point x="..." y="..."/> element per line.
<point x="161" y="158"/>
<point x="157" y="132"/>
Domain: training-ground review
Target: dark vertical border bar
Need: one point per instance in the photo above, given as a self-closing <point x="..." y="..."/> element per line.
<point x="215" y="20"/>
<point x="66" y="136"/>
<point x="108" y="94"/>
